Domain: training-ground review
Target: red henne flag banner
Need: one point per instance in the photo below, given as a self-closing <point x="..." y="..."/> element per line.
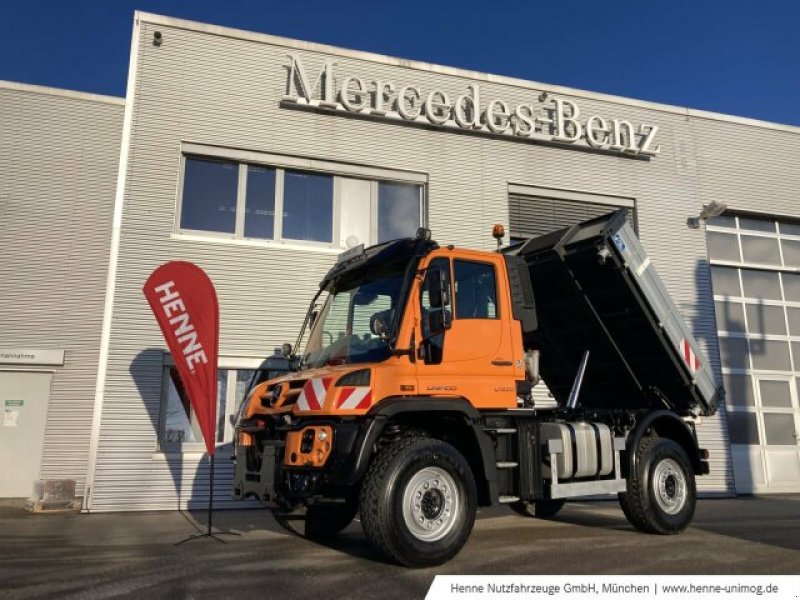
<point x="184" y="302"/>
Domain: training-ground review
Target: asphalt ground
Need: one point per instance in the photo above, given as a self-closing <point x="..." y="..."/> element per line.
<point x="133" y="555"/>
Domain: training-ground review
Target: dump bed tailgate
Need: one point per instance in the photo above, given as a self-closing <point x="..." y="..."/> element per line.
<point x="595" y="289"/>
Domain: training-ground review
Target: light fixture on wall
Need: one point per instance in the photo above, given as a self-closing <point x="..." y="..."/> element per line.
<point x="157" y="38"/>
<point x="709" y="211"/>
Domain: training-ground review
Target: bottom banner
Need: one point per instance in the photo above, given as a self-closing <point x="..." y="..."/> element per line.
<point x="630" y="587"/>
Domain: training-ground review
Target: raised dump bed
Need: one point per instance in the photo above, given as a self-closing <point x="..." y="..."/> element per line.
<point x="595" y="289"/>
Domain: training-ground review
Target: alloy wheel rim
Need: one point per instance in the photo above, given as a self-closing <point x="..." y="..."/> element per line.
<point x="431" y="502"/>
<point x="670" y="486"/>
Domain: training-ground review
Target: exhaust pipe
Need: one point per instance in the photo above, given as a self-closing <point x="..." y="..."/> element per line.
<point x="532" y="366"/>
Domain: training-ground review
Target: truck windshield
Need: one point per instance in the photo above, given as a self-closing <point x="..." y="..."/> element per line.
<point x="354" y="325"/>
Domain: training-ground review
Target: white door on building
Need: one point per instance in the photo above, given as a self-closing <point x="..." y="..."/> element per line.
<point x="777" y="421"/>
<point x="24" y="397"/>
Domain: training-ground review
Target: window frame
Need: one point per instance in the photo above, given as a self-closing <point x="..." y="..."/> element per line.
<point x="179" y="200"/>
<point x="436" y="341"/>
<point x="281" y="164"/>
<point x="455" y="290"/>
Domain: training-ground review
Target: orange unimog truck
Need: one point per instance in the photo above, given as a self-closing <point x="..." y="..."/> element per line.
<point x="412" y="402"/>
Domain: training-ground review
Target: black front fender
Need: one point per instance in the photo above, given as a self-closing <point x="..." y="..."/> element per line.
<point x="424" y="409"/>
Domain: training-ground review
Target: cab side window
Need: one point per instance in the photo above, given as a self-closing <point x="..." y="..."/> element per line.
<point x="476" y="290"/>
<point x="433" y="345"/>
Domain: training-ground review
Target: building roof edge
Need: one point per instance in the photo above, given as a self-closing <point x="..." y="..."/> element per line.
<point x="242" y="34"/>
<point x="52" y="91"/>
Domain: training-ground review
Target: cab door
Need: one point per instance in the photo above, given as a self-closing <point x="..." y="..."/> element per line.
<point x="466" y="343"/>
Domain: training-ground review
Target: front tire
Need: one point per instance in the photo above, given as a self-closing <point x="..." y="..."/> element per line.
<point x="661" y="495"/>
<point x="418" y="501"/>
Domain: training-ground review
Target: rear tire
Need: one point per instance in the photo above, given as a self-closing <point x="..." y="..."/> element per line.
<point x="661" y="494"/>
<point x="418" y="501"/>
<point x="541" y="509"/>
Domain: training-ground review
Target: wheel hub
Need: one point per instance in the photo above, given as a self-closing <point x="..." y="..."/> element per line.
<point x="431" y="503"/>
<point x="670" y="486"/>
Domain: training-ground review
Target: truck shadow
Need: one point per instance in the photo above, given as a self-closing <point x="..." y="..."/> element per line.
<point x="353" y="542"/>
<point x="759" y="520"/>
<point x="771" y="520"/>
<point x="756" y="519"/>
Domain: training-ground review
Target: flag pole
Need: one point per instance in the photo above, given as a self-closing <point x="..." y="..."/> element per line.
<point x="209" y="525"/>
<point x="211" y="493"/>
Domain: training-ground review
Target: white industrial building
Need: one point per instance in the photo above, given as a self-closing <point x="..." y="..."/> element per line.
<point x="261" y="158"/>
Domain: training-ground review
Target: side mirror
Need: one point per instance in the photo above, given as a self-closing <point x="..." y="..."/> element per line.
<point x="286" y="350"/>
<point x="379" y="323"/>
<point x="437" y="292"/>
<point x="439" y="321"/>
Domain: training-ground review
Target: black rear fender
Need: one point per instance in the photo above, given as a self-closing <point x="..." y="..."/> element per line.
<point x="666" y="424"/>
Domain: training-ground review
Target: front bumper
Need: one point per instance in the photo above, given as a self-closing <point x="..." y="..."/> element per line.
<point x="263" y="472"/>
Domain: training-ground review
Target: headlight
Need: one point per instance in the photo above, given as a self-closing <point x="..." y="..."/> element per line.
<point x="356" y="378"/>
<point x="307" y="441"/>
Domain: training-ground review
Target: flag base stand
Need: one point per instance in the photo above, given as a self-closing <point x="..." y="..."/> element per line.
<point x="214" y="535"/>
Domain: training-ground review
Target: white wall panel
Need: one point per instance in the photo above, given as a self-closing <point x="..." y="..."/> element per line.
<point x="58" y="156"/>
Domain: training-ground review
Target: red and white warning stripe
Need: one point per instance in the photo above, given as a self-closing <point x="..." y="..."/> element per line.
<point x="313" y="395"/>
<point x="352" y="398"/>
<point x="689" y="356"/>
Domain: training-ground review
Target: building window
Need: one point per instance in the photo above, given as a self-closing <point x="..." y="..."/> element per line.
<point x="179" y="427"/>
<point x="209" y="195"/>
<point x="245" y="200"/>
<point x="308" y="207"/>
<point x="399" y="208"/>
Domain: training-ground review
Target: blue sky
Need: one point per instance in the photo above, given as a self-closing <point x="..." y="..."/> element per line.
<point x="733" y="56"/>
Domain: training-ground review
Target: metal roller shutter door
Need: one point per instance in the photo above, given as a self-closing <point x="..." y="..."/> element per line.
<point x="534" y="215"/>
<point x="531" y="216"/>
